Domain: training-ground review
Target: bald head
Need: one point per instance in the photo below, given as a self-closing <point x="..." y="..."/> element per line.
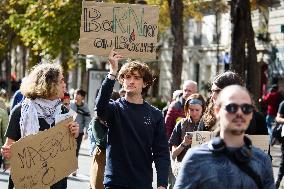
<point x="188" y="88"/>
<point x="233" y="110"/>
<point x="231" y="90"/>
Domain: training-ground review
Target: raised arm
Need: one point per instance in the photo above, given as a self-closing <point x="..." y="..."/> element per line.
<point x="102" y="101"/>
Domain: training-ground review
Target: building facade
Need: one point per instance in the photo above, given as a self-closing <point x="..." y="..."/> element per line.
<point x="200" y="61"/>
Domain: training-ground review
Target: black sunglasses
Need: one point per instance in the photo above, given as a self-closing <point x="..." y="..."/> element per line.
<point x="233" y="108"/>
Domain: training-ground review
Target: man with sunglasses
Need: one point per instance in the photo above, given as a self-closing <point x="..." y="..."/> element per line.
<point x="234" y="162"/>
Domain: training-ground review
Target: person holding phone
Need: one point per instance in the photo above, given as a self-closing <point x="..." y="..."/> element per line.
<point x="181" y="137"/>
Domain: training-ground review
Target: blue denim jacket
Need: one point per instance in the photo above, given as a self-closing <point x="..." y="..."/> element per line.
<point x="204" y="170"/>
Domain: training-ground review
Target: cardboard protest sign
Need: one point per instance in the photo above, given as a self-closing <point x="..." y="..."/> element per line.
<point x="129" y="28"/>
<point x="200" y="137"/>
<point x="260" y="141"/>
<point x="39" y="161"/>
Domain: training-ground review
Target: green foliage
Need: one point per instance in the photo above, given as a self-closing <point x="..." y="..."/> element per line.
<point x="47" y="27"/>
<point x="157" y="102"/>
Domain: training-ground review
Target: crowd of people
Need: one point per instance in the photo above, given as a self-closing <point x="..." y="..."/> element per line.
<point x="127" y="134"/>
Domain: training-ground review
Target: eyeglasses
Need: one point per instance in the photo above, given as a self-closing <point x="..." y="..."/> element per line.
<point x="233" y="108"/>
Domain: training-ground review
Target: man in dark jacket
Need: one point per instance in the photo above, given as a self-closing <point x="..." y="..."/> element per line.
<point x="176" y="111"/>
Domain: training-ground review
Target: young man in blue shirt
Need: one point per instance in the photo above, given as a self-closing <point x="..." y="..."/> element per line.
<point x="136" y="135"/>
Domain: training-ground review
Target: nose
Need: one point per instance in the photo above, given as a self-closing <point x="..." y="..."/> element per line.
<point x="239" y="111"/>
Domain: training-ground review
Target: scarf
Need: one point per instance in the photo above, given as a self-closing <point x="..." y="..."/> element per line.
<point x="31" y="110"/>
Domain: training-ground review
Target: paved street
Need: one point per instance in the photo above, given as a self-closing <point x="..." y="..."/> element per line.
<point x="82" y="179"/>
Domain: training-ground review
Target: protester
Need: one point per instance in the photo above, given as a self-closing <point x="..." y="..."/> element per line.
<point x="17" y="98"/>
<point x="97" y="134"/>
<point x="257" y="124"/>
<point x="280" y="120"/>
<point x="3" y="99"/>
<point x="43" y="89"/>
<point x="3" y="126"/>
<point x="272" y="100"/>
<point x="136" y="135"/>
<point x="175" y="111"/>
<point x="208" y="120"/>
<point x="229" y="161"/>
<point x="176" y="94"/>
<point x="66" y="100"/>
<point x="83" y="117"/>
<point x="181" y="137"/>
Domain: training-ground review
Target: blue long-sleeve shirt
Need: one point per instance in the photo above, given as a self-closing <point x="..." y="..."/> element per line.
<point x="136" y="138"/>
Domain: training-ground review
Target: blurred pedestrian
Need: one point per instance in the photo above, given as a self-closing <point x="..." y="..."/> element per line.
<point x="176" y="94"/>
<point x="208" y="120"/>
<point x="66" y="100"/>
<point x="43" y="89"/>
<point x="3" y="126"/>
<point x="136" y="135"/>
<point x="280" y="120"/>
<point x="181" y="138"/>
<point x="83" y="117"/>
<point x="272" y="100"/>
<point x="234" y="162"/>
<point x="97" y="133"/>
<point x="175" y="111"/>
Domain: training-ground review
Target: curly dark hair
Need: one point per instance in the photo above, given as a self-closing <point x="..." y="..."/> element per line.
<point x="42" y="82"/>
<point x="227" y="78"/>
<point x="141" y="68"/>
<point x="222" y="80"/>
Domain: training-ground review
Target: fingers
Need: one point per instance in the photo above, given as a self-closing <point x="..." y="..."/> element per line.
<point x="114" y="56"/>
<point x="6" y="152"/>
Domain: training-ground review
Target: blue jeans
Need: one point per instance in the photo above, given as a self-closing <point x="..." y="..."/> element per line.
<point x="269" y="120"/>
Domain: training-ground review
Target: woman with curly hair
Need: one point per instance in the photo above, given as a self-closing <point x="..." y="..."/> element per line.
<point x="208" y="120"/>
<point x="43" y="89"/>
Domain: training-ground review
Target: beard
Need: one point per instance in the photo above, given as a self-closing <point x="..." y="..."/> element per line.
<point x="238" y="131"/>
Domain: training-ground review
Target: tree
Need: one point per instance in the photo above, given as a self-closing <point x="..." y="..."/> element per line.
<point x="243" y="50"/>
<point x="176" y="15"/>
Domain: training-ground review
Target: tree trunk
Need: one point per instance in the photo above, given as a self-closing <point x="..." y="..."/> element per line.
<point x="238" y="19"/>
<point x="176" y="14"/>
<point x="24" y="59"/>
<point x="8" y="65"/>
<point x="244" y="53"/>
<point x="217" y="17"/>
<point x="253" y="68"/>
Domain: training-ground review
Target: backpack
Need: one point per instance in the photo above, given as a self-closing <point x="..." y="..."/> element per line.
<point x="99" y="130"/>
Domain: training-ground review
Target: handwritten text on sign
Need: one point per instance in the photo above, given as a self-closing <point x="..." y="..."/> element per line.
<point x="259" y="141"/>
<point x="39" y="161"/>
<point x="131" y="29"/>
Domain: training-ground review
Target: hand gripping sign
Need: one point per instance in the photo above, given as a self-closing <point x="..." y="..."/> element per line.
<point x="39" y="161"/>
